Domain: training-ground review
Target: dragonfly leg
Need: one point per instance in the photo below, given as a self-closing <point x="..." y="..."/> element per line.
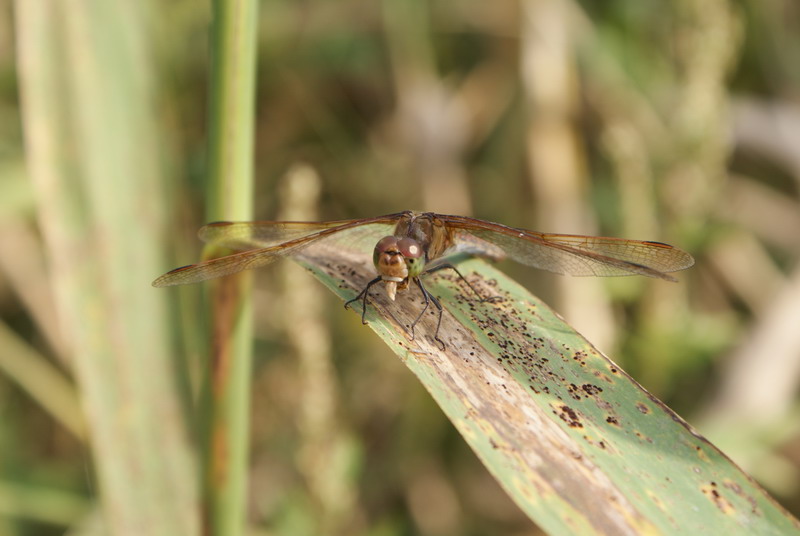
<point x="363" y="297"/>
<point x="429" y="298"/>
<point x="464" y="279"/>
<point x="425" y="295"/>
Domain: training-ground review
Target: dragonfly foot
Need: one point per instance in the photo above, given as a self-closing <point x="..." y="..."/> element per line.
<point x="436" y="339"/>
<point x="362" y="296"/>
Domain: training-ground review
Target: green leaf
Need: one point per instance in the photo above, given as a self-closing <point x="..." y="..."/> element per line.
<point x="94" y="156"/>
<point x="576" y="442"/>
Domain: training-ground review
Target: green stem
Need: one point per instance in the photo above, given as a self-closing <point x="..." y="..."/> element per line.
<point x="230" y="198"/>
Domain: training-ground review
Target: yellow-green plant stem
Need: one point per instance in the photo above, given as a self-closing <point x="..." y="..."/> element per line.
<point x="230" y="187"/>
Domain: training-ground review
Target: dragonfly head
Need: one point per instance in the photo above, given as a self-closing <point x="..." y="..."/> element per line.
<point x="396" y="260"/>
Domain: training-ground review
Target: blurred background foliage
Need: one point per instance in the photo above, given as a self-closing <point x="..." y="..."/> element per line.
<point x="674" y="121"/>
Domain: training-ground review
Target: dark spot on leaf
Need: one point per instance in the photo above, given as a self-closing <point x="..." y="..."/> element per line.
<point x="572" y="389"/>
<point x="590" y="389"/>
<point x="723" y="504"/>
<point x="569" y="416"/>
<point x="642" y="408"/>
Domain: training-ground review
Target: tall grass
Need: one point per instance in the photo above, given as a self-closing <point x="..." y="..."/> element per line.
<point x="94" y="158"/>
<point x="230" y="197"/>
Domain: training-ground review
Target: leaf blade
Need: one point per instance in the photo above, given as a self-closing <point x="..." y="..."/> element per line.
<point x="577" y="443"/>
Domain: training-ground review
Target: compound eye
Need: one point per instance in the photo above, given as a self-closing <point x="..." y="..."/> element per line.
<point x="409" y="248"/>
<point x="387" y="243"/>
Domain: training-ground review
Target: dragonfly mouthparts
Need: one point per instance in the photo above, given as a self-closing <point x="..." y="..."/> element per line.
<point x="391" y="288"/>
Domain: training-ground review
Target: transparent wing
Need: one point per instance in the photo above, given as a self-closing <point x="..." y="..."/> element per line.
<point x="274" y="240"/>
<point x="263" y="234"/>
<point x="576" y="254"/>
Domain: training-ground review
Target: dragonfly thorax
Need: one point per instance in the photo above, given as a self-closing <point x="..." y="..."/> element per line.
<point x="397" y="261"/>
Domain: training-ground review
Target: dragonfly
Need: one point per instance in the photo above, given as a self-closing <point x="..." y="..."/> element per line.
<point x="410" y="245"/>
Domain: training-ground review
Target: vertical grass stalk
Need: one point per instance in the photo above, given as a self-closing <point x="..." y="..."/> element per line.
<point x="230" y="187"/>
